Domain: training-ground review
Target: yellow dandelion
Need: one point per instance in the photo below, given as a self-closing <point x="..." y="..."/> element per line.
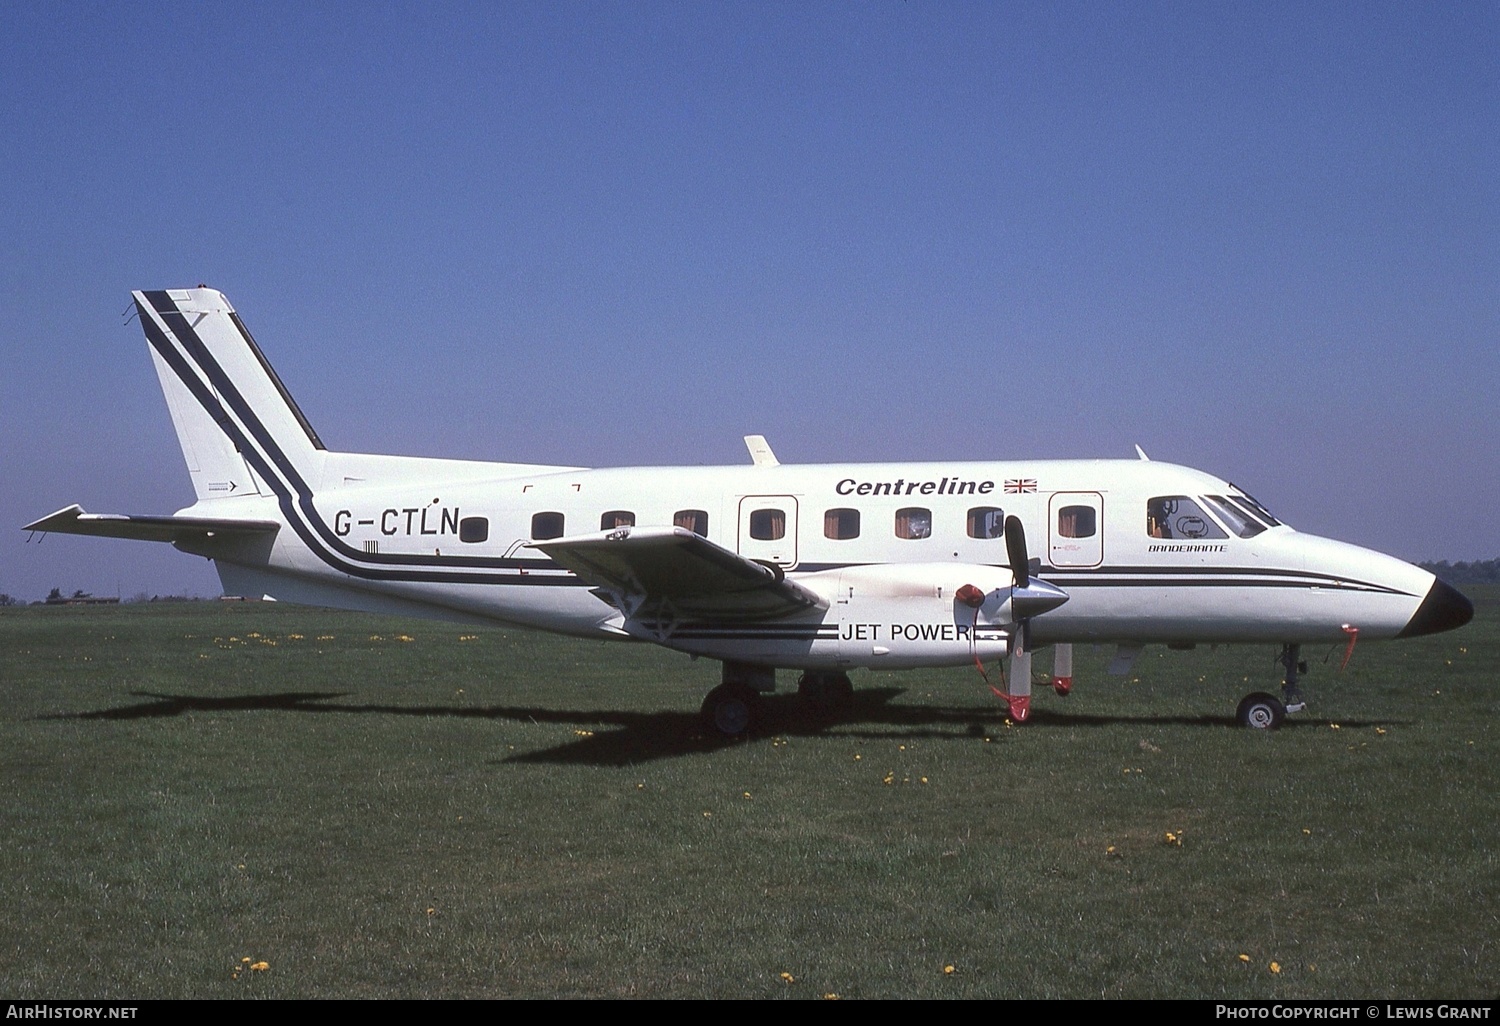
<point x="924" y="780"/>
<point x="747" y="794"/>
<point x="1380" y="730"/>
<point x="1307" y="831"/>
<point x="857" y="757"/>
<point x="830" y="996"/>
<point x="260" y="967"/>
<point x="788" y="978"/>
<point x="432" y="911"/>
<point x="706" y="814"/>
<point x="244" y="960"/>
<point x="1244" y="957"/>
<point x="584" y="733"/>
<point x="1333" y="726"/>
<point x="949" y="970"/>
<point x="1275" y="967"/>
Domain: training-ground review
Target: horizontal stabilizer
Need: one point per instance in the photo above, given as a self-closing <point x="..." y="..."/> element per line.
<point x="73" y="520"/>
<point x="670" y="571"/>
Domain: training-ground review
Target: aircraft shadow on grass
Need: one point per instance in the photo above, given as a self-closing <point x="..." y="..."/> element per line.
<point x="612" y="737"/>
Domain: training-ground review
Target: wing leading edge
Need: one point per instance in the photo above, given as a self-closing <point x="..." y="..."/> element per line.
<point x="670" y="572"/>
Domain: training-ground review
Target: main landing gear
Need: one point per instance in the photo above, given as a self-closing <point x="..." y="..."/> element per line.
<point x="734" y="707"/>
<point x="825" y="694"/>
<point x="1261" y="711"/>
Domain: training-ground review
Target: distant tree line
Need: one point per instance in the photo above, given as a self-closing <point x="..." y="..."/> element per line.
<point x="1483" y="571"/>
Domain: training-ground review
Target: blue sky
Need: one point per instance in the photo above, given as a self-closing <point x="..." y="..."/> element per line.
<point x="1258" y="239"/>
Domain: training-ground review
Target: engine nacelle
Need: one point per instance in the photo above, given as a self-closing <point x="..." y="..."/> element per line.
<point x="905" y="615"/>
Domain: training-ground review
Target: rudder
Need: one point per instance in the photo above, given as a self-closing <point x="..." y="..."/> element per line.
<point x="240" y="430"/>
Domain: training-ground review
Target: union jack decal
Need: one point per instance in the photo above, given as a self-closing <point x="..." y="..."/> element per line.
<point x="1020" y="485"/>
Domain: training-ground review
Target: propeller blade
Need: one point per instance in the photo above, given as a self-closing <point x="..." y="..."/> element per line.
<point x="1015" y="547"/>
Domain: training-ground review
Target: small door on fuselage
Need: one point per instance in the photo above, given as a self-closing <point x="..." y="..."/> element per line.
<point x="1075" y="529"/>
<point x="768" y="529"/>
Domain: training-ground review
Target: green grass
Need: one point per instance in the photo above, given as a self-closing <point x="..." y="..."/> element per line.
<point x="381" y="808"/>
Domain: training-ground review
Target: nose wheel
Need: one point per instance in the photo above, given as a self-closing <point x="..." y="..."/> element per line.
<point x="1260" y="711"/>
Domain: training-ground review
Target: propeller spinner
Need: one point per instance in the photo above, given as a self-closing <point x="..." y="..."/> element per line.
<point x="1029" y="598"/>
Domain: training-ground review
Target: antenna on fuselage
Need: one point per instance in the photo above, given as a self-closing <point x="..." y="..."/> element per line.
<point x="760" y="451"/>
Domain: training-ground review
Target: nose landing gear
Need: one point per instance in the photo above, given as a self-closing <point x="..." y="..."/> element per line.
<point x="1261" y="711"/>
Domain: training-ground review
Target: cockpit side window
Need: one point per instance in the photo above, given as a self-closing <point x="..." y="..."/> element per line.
<point x="1177" y="516"/>
<point x="1234" y="516"/>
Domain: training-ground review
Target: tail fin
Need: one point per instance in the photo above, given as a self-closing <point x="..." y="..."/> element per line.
<point x="240" y="430"/>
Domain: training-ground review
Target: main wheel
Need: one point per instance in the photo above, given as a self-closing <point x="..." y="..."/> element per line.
<point x="1260" y="711"/>
<point x="730" y="709"/>
<point x="826" y="693"/>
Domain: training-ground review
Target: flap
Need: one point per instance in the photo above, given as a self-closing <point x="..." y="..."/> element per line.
<point x="670" y="571"/>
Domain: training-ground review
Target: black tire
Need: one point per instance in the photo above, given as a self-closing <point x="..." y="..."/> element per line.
<point x="826" y="694"/>
<point x="1260" y="711"/>
<point x="730" y="710"/>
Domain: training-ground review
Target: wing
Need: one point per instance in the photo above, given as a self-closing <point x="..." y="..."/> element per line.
<point x="672" y="572"/>
<point x="73" y="520"/>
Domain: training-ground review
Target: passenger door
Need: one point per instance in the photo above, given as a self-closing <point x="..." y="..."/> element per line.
<point x="1075" y="529"/>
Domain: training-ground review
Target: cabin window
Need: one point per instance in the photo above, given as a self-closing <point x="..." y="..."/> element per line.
<point x="913" y="522"/>
<point x="474" y="529"/>
<point x="695" y="520"/>
<point x="1236" y="517"/>
<point x="546" y="525"/>
<point x="768" y="525"/>
<point x="1077" y="522"/>
<point x="986" y="522"/>
<point x="616" y="518"/>
<point x="1177" y="516"/>
<point x="841" y="524"/>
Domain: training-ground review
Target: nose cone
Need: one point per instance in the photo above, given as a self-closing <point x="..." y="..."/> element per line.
<point x="1443" y="609"/>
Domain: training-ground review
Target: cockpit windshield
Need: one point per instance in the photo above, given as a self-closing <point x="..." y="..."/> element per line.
<point x="1253" y="505"/>
<point x="1236" y="517"/>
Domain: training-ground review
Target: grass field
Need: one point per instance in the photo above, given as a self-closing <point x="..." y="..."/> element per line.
<point x="378" y="808"/>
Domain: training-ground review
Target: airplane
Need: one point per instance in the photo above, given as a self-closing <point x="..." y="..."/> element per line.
<point x="765" y="567"/>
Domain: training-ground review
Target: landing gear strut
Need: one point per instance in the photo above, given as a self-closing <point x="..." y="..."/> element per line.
<point x="1261" y="711"/>
<point x="1291" y="694"/>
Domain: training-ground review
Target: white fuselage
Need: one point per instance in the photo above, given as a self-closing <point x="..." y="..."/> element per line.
<point x="451" y="539"/>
